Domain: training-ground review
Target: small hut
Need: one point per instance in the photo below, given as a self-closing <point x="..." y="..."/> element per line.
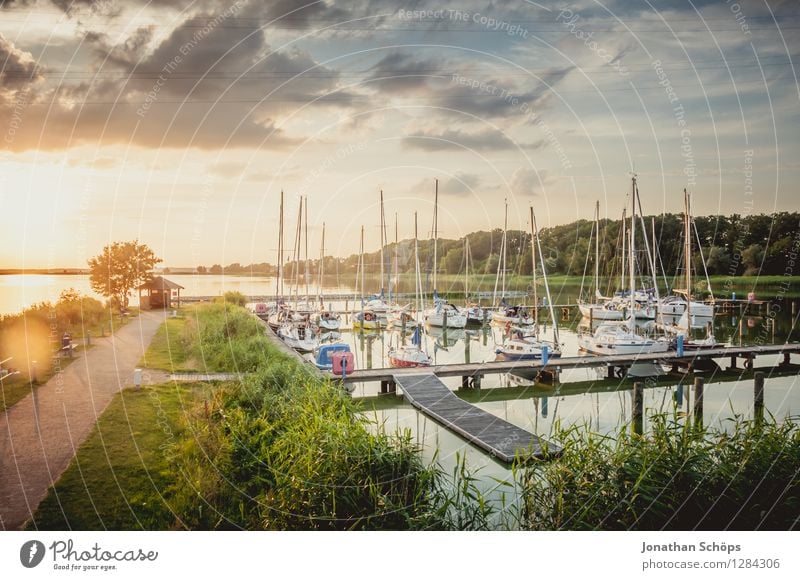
<point x="159" y="293"/>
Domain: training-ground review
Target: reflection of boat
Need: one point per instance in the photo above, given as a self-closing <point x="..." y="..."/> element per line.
<point x="445" y="314"/>
<point x="367" y="320"/>
<point x="446" y="337"/>
<point x="410" y="355"/>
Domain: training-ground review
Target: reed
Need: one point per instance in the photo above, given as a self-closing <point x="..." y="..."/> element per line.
<point x="744" y="477"/>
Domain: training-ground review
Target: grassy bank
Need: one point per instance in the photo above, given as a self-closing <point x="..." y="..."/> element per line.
<point x="286" y="450"/>
<point x="121" y="476"/>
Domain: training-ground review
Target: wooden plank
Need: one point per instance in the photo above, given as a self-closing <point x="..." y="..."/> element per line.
<point x="494" y="435"/>
<point x="499" y="367"/>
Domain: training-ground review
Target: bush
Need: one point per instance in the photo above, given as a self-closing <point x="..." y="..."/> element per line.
<point x="234" y="298"/>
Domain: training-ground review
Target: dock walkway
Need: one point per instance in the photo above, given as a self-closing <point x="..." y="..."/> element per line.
<point x="494" y="435"/>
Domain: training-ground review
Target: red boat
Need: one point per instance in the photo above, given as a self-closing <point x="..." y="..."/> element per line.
<point x="408" y="356"/>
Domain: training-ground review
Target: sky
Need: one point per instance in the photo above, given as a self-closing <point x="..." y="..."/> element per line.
<point x="180" y="123"/>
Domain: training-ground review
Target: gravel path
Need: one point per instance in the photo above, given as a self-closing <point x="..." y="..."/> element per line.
<point x="40" y="434"/>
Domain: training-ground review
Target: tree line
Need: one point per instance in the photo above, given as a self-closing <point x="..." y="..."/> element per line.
<point x="729" y="245"/>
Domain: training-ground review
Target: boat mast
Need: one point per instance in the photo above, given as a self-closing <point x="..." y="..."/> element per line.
<point x="296" y="252"/>
<point x="466" y="270"/>
<point x="382" y="240"/>
<point x="688" y="258"/>
<point x="597" y="249"/>
<point x="505" y="249"/>
<point x="396" y="260"/>
<point x="417" y="282"/>
<point x="544" y="277"/>
<point x="533" y="264"/>
<point x="435" y="233"/>
<point x="306" y="248"/>
<point x="321" y="266"/>
<point x="361" y="262"/>
<point x="631" y="265"/>
<point x="279" y="281"/>
<point x="624" y="227"/>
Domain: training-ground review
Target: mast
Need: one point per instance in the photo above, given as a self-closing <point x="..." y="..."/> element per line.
<point x="417" y="282"/>
<point x="597" y="249"/>
<point x="306" y="247"/>
<point x="279" y="281"/>
<point x="296" y="252"/>
<point x="650" y="257"/>
<point x="466" y="270"/>
<point x="624" y="227"/>
<point x="435" y="233"/>
<point x="505" y="249"/>
<point x="361" y="260"/>
<point x="688" y="258"/>
<point x="396" y="260"/>
<point x="533" y="263"/>
<point x="631" y="265"/>
<point x="383" y="231"/>
<point x="321" y="266"/>
<point x="546" y="285"/>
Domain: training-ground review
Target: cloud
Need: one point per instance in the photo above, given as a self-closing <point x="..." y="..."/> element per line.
<point x="529" y="181"/>
<point x="18" y="69"/>
<point x="400" y="72"/>
<point x="460" y="184"/>
<point x="458" y="140"/>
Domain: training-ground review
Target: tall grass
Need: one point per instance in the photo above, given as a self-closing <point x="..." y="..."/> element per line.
<point x="745" y="478"/>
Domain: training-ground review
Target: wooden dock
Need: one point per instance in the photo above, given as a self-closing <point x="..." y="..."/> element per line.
<point x="474" y="371"/>
<point x="494" y="435"/>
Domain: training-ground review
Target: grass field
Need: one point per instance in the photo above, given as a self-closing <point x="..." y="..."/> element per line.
<point x="122" y="475"/>
<point x="168" y="350"/>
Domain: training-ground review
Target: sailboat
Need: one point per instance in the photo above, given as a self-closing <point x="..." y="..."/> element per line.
<point x="412" y="355"/>
<point x="506" y="313"/>
<point x="324" y="319"/>
<point x="607" y="309"/>
<point x="621" y="338"/>
<point x="683" y="327"/>
<point x="443" y="313"/>
<point x="527" y="344"/>
<point x="367" y="318"/>
<point x="295" y="328"/>
<point x="681" y="301"/>
<point x="476" y="314"/>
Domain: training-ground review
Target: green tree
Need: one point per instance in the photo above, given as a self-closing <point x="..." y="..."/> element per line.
<point x="121" y="267"/>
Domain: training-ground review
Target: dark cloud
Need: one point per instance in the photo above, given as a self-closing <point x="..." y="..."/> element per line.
<point x="529" y="181"/>
<point x="18" y="69"/>
<point x="458" y="140"/>
<point x="401" y="72"/>
<point x="460" y="184"/>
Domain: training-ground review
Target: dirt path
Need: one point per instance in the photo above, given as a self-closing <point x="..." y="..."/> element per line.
<point x="40" y="434"/>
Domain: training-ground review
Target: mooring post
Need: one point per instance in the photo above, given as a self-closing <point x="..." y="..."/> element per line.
<point x="392" y="387"/>
<point x="638" y="408"/>
<point x="34" y="374"/>
<point x="444" y="321"/>
<point x="698" y="402"/>
<point x="610" y="372"/>
<point x="733" y="363"/>
<point x="465" y="382"/>
<point x="88" y="338"/>
<point x="758" y="397"/>
<point x="384" y="387"/>
<point x="786" y="360"/>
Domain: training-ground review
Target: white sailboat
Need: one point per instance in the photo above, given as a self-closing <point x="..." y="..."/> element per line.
<point x="324" y="319"/>
<point x="605" y="308"/>
<point x="528" y="345"/>
<point x="443" y="313"/>
<point x="621" y="338"/>
<point x="295" y="328"/>
<point x="476" y="314"/>
<point x="506" y="314"/>
<point x="366" y="318"/>
<point x="681" y="301"/>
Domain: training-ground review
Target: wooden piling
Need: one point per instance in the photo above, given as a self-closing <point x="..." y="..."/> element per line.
<point x="698" y="402"/>
<point x="758" y="397"/>
<point x="638" y="408"/>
